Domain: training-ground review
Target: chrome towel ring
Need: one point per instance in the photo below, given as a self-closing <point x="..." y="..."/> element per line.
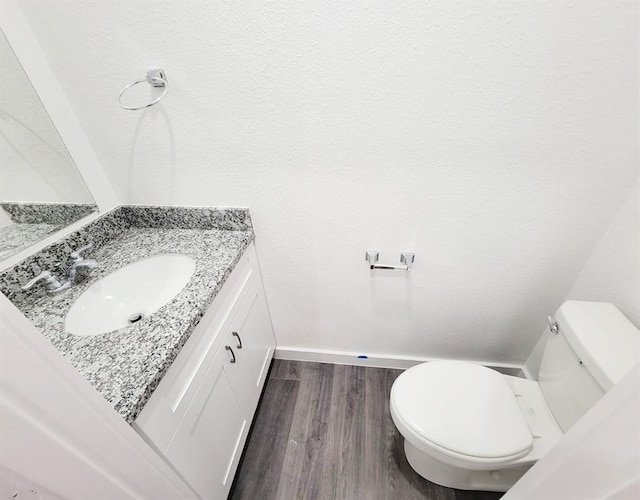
<point x="155" y="78"/>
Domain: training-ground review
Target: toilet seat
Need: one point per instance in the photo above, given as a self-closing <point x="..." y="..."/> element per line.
<point x="460" y="413"/>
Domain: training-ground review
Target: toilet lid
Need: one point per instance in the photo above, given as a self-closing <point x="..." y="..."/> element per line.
<point x="465" y="408"/>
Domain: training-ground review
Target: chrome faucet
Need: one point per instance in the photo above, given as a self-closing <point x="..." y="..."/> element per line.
<point x="55" y="285"/>
<point x="51" y="283"/>
<point x="76" y="261"/>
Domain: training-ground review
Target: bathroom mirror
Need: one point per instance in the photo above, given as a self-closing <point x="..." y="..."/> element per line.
<point x="41" y="190"/>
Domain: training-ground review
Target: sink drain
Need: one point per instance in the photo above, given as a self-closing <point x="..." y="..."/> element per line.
<point x="134" y="318"/>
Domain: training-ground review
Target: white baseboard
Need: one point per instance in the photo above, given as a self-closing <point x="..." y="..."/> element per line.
<point x="373" y="360"/>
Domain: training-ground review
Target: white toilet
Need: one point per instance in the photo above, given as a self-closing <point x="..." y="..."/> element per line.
<point x="470" y="427"/>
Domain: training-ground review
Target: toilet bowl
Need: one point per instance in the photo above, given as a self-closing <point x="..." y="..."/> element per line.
<point x="469" y="427"/>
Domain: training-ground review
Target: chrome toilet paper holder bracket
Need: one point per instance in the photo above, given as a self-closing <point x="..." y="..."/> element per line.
<point x="406" y="261"/>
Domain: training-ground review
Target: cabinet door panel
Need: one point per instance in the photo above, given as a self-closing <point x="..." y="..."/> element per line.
<point x="254" y="329"/>
<point x="209" y="439"/>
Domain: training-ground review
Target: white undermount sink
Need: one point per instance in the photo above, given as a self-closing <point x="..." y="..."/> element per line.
<point x="129" y="294"/>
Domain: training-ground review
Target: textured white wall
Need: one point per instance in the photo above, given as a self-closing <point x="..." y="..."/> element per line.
<point x="612" y="272"/>
<point x="493" y="139"/>
<point x="34" y="163"/>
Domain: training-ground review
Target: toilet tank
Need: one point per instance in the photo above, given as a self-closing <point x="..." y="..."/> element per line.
<point x="595" y="347"/>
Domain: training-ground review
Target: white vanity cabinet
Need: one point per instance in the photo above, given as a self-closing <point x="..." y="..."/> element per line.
<point x="199" y="415"/>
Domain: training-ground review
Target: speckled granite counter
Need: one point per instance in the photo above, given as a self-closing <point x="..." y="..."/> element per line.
<point x="126" y="365"/>
<point x="17" y="236"/>
<point x="60" y="214"/>
<point x="30" y="222"/>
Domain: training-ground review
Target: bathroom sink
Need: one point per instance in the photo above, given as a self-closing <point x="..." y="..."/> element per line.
<point x="128" y="295"/>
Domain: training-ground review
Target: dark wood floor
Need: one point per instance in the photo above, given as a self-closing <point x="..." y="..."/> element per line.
<point x="324" y="432"/>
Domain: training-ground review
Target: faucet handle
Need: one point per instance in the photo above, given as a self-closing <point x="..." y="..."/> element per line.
<point x="50" y="281"/>
<point x="75" y="255"/>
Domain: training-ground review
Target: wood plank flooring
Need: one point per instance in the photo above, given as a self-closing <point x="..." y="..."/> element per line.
<point x="324" y="432"/>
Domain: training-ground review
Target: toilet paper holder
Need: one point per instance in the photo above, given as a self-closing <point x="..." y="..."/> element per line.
<point x="406" y="261"/>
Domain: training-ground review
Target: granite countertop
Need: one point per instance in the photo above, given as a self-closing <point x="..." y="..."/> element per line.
<point x="126" y="365"/>
<point x="30" y="222"/>
<point x="18" y="235"/>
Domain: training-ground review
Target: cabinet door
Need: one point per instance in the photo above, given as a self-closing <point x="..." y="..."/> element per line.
<point x="251" y="329"/>
<point x="207" y="444"/>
